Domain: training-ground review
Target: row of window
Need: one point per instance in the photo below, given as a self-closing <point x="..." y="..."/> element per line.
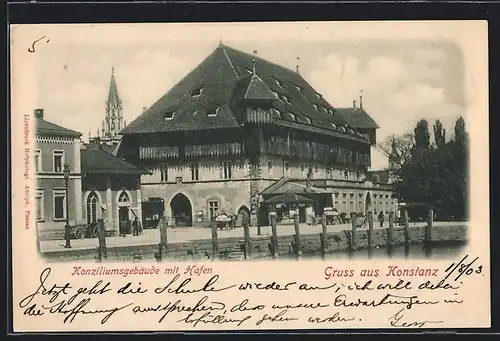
<point x="57" y="160"/>
<point x="194" y="168"/>
<point x="58" y="204"/>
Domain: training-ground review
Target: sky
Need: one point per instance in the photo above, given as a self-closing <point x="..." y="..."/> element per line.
<point x="402" y="80"/>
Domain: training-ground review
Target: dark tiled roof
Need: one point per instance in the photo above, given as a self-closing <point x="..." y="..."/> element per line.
<point x="97" y="161"/>
<point x="48" y="128"/>
<point x="225" y="77"/>
<point x="357" y="118"/>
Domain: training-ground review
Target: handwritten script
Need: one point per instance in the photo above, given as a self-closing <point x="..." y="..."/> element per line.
<point x="199" y="298"/>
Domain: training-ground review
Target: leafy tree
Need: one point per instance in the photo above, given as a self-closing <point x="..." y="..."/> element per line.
<point x="422" y="137"/>
<point x="437" y="175"/>
<point x="439" y="134"/>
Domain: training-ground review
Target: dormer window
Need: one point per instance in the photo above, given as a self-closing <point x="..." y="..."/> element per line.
<point x="319" y="96"/>
<point x="292" y="116"/>
<point x="330" y="111"/>
<point x="350" y="131"/>
<point x="277" y="81"/>
<point x="299" y="89"/>
<point x="316" y="107"/>
<point x="334" y="126"/>
<point x="276" y="112"/>
<point x="342" y="129"/>
<point x="285" y="99"/>
<point x="169" y="115"/>
<point x="308" y="120"/>
<point x="213" y="112"/>
<point x="275" y="93"/>
<point x="197" y="91"/>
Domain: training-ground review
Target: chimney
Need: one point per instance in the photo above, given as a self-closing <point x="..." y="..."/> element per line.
<point x="361" y="100"/>
<point x="144" y="109"/>
<point x="38" y="113"/>
<point x="354" y="104"/>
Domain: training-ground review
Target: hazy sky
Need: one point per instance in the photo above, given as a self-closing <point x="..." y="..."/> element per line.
<point x="403" y="80"/>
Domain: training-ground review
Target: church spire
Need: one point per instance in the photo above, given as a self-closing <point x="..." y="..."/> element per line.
<point x="114" y="116"/>
<point x="114" y="100"/>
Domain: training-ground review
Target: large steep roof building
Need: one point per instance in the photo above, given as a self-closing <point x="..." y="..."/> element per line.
<point x="235" y="125"/>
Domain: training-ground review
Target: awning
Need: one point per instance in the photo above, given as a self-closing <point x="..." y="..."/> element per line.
<point x="288" y="198"/>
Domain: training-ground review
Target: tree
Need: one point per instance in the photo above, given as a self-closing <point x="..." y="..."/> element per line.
<point x="397" y="149"/>
<point x="439" y="134"/>
<point x="460" y="133"/>
<point x="437" y="175"/>
<point x="422" y="137"/>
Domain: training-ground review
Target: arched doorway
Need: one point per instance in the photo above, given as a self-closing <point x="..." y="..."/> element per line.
<point x="182" y="212"/>
<point x="368" y="203"/>
<point x="123" y="213"/>
<point x="239" y="215"/>
<point x="92" y="207"/>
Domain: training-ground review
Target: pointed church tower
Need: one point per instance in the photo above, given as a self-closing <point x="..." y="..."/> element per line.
<point x="114" y="114"/>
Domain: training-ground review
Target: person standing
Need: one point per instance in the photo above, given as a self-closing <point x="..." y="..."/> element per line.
<point x="135" y="226"/>
<point x="381" y="218"/>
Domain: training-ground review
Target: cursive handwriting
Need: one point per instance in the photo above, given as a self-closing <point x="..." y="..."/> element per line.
<point x="208" y="286"/>
<point x="32" y="48"/>
<point x="332" y="319"/>
<point x="65" y="308"/>
<point x="397" y="320"/>
<point x="53" y="292"/>
<point x="408" y="301"/>
<point x="178" y="307"/>
<point x="279" y="317"/>
<point x="215" y="319"/>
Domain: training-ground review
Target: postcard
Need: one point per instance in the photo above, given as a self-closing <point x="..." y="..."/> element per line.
<point x="250" y="176"/>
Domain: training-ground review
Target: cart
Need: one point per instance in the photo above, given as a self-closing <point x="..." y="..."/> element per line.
<point x="331" y="215"/>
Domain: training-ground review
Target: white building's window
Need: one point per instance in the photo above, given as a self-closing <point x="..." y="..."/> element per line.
<point x="195" y="172"/>
<point x="163" y="173"/>
<point x="59" y="204"/>
<point x="226" y="170"/>
<point x="37" y="160"/>
<point x="269" y="166"/>
<point x="213" y="208"/>
<point x="58" y="160"/>
<point x="40" y="207"/>
<point x="287" y="168"/>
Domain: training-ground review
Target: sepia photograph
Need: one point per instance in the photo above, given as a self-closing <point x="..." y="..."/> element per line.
<point x="234" y="149"/>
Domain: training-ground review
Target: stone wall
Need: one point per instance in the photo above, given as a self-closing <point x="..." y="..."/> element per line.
<point x="229" y="247"/>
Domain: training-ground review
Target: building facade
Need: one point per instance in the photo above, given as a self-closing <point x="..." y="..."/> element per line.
<point x="100" y="185"/>
<point x="56" y="146"/>
<point x="235" y="128"/>
<point x="111" y="189"/>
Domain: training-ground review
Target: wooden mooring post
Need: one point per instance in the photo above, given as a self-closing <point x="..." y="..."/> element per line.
<point x="297" y="235"/>
<point x="406" y="234"/>
<point x="428" y="234"/>
<point x="101" y="235"/>
<point x="248" y="240"/>
<point x="390" y="233"/>
<point x="274" y="237"/>
<point x="215" y="240"/>
<point x="162" y="246"/>
<point x="322" y="236"/>
<point x="370" y="234"/>
<point x="354" y="232"/>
